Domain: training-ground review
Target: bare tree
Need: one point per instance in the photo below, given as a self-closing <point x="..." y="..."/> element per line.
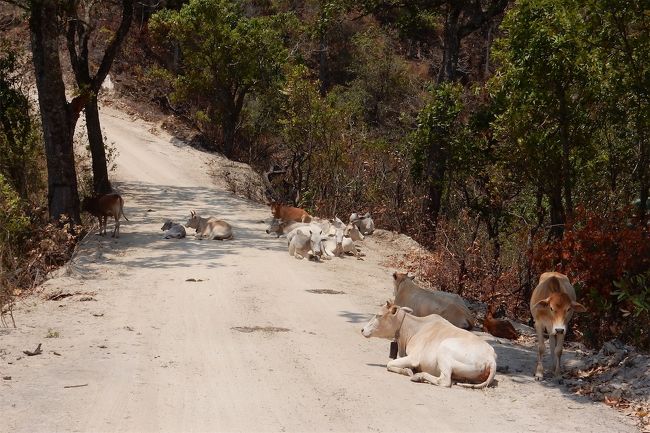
<point x="82" y="22"/>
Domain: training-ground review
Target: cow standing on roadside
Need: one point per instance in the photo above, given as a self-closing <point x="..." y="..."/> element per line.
<point x="552" y="305"/>
<point x="104" y="206"/>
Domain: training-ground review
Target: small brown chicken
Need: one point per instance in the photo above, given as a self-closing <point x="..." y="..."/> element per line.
<point x="499" y="327"/>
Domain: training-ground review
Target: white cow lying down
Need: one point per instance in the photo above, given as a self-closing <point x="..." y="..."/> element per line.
<point x="338" y="245"/>
<point x="173" y="230"/>
<point x="365" y="223"/>
<point x="440" y="351"/>
<point x="306" y="242"/>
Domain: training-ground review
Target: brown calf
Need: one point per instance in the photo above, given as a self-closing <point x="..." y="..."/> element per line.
<point x="552" y="305"/>
<point x="499" y="327"/>
<point x="104" y="206"/>
<point x="288" y="213"/>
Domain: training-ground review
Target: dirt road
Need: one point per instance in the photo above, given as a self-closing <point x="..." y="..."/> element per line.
<point x="245" y="347"/>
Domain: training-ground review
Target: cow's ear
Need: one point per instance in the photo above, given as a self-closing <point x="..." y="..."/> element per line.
<point x="388" y="303"/>
<point x="394" y="275"/>
<point x="394" y="309"/>
<point x="578" y="307"/>
<point x="192" y="213"/>
<point x="544" y="303"/>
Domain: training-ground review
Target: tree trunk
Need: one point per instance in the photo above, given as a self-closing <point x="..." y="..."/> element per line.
<point x="322" y="65"/>
<point x="78" y="36"/>
<point x="451" y="46"/>
<point x="644" y="156"/>
<point x="229" y="126"/>
<point x="57" y="115"/>
<point x="566" y="153"/>
<point x="436" y="175"/>
<point x="558" y="217"/>
<point x="101" y="183"/>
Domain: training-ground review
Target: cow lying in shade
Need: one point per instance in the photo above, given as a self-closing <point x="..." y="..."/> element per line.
<point x="424" y="302"/>
<point x="552" y="305"/>
<point x="209" y="228"/>
<point x="104" y="206"/>
<point x="173" y="230"/>
<point x="438" y="350"/>
<point x="279" y="227"/>
<point x="501" y="328"/>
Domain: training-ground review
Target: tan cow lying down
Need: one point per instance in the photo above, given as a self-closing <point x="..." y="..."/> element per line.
<point x="289" y="213"/>
<point x="104" y="206"/>
<point x="279" y="227"/>
<point x="440" y="351"/>
<point x="209" y="228"/>
<point x="424" y="302"/>
<point x="552" y="305"/>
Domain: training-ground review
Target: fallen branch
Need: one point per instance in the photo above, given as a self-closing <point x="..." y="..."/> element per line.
<point x="35" y="352"/>
<point x="75" y="386"/>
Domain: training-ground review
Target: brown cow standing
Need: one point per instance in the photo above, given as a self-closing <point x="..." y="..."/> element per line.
<point x="552" y="305"/>
<point x="104" y="206"/>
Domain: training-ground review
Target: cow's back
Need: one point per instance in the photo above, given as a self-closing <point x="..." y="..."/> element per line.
<point x="435" y="329"/>
<point x="422" y="302"/>
<point x="550" y="282"/>
<point x="425" y="302"/>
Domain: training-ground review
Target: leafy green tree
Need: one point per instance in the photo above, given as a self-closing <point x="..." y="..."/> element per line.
<point x="19" y="142"/>
<point x="439" y="132"/>
<point x="618" y="34"/>
<point x="58" y="116"/>
<point x="547" y="96"/>
<point x="226" y="57"/>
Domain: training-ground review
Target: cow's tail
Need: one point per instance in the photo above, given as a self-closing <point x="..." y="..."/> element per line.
<point x="493" y="371"/>
<point x="122" y="209"/>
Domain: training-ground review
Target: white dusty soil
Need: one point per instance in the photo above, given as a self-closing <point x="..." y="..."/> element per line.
<point x="248" y="348"/>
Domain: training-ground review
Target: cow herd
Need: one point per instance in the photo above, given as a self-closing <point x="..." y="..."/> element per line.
<point x="430" y="330"/>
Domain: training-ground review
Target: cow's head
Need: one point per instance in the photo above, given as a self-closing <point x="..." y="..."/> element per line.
<point x="352" y="231"/>
<point x="193" y="222"/>
<point x="399" y="278"/>
<point x="168" y="224"/>
<point x="386" y="322"/>
<point x="338" y="236"/>
<point x="556" y="311"/>
<point x="316" y="241"/>
<point x="275" y="227"/>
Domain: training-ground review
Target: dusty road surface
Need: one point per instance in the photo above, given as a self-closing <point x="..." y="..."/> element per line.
<point x="130" y="345"/>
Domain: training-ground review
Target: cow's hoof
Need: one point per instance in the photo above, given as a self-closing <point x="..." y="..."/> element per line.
<point x="418" y="377"/>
